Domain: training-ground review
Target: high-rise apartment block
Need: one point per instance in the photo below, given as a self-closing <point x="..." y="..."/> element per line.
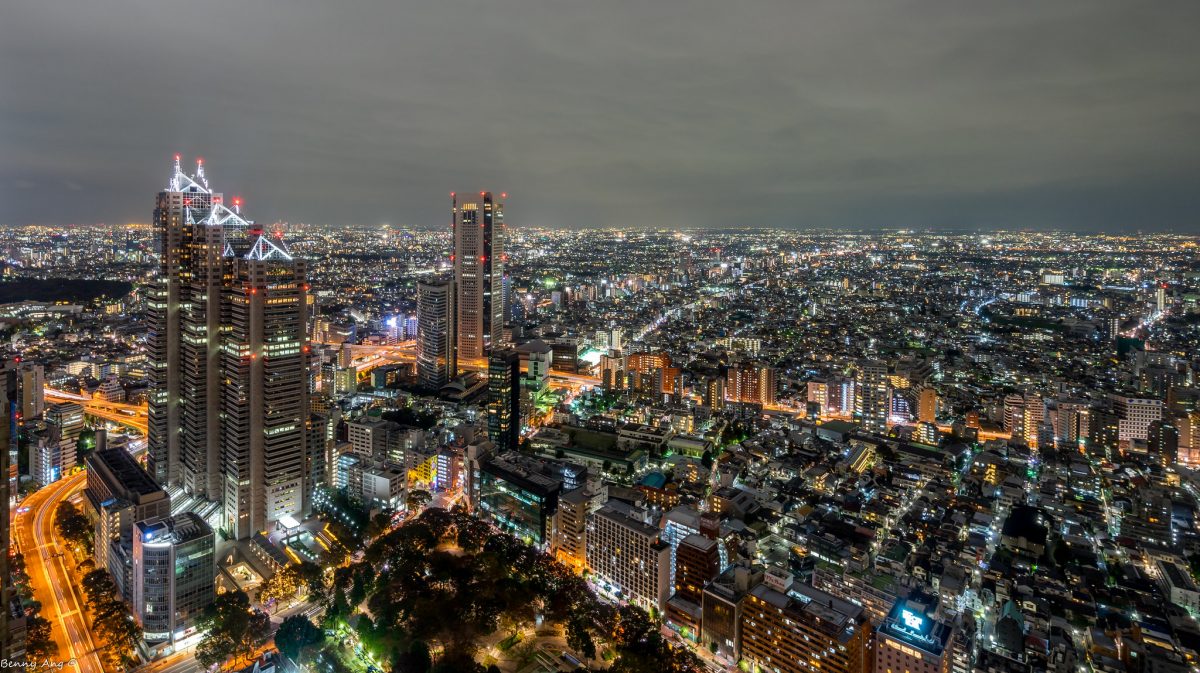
<point x="751" y="383"/>
<point x="801" y="629"/>
<point x="873" y="396"/>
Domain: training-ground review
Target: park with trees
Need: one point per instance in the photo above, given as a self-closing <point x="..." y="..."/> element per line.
<point x="447" y="592"/>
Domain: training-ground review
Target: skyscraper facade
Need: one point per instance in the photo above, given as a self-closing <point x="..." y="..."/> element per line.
<point x="186" y="201"/>
<point x="478" y="258"/>
<point x="265" y="394"/>
<point x="504" y="399"/>
<point x="228" y="360"/>
<point x="437" y="360"/>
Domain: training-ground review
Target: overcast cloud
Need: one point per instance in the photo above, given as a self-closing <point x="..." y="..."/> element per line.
<point x="1079" y="114"/>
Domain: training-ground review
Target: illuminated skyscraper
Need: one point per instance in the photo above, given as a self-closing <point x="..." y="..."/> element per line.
<point x="265" y="394"/>
<point x="437" y="361"/>
<point x="478" y="258"/>
<point x="228" y="360"/>
<point x="504" y="399"/>
<point x="195" y="233"/>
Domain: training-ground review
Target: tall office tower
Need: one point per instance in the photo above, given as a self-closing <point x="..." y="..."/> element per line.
<point x="33" y="388"/>
<point x="265" y="392"/>
<point x="200" y="363"/>
<point x="478" y="272"/>
<point x="751" y="383"/>
<point x="185" y="202"/>
<point x="174" y="567"/>
<point x="504" y="399"/>
<point x="873" y="396"/>
<point x="437" y="361"/>
<point x="1160" y="299"/>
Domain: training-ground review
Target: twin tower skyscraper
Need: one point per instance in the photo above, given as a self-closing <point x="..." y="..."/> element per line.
<point x="229" y="360"/>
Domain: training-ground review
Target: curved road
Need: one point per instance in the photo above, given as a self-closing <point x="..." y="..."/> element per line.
<point x="61" y="600"/>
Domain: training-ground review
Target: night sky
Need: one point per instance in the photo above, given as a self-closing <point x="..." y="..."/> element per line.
<point x="1071" y="114"/>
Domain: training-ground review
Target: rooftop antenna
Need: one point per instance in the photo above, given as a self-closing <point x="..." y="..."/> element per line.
<point x="174" y="183"/>
<point x="200" y="172"/>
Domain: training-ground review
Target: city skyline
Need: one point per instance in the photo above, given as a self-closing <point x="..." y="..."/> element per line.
<point x="788" y="357"/>
<point x="1074" y="116"/>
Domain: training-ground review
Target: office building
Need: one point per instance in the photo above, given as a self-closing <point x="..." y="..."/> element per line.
<point x="119" y="493"/>
<point x="504" y="399"/>
<point x="912" y="640"/>
<point x="721" y="625"/>
<point x="50" y="456"/>
<point x="478" y="228"/>
<point x="377" y="440"/>
<point x="520" y="494"/>
<point x="174" y="568"/>
<point x="627" y="557"/>
<point x="66" y="418"/>
<point x="265" y="390"/>
<point x="536" y="359"/>
<point x="1135" y="415"/>
<point x="437" y="359"/>
<point x="799" y="629"/>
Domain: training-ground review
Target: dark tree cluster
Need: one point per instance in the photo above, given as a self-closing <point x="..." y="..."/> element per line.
<point x="112" y="623"/>
<point x="232" y="629"/>
<point x="74" y="527"/>
<point x="447" y="579"/>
